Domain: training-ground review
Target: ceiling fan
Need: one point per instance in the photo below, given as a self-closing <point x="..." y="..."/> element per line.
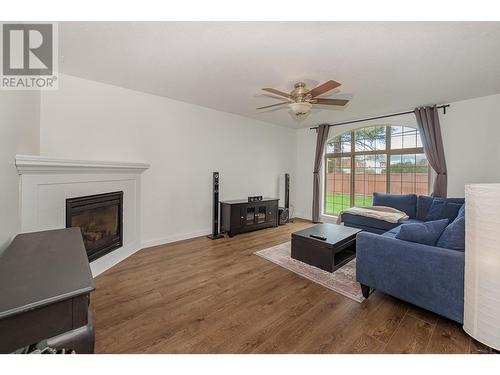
<point x="301" y="99"/>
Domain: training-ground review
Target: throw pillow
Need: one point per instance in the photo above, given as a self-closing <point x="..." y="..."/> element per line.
<point x="442" y="209"/>
<point x="426" y="233"/>
<point x="424" y="202"/>
<point x="461" y="212"/>
<point x="453" y="236"/>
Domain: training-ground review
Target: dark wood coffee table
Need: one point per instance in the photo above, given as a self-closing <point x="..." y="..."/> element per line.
<point x="336" y="249"/>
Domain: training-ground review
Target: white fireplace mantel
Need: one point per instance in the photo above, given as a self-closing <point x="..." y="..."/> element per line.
<point x="46" y="183"/>
<point x="29" y="164"/>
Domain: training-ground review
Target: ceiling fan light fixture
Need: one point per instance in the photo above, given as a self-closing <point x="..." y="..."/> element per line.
<point x="300" y="108"/>
<point x="300" y="100"/>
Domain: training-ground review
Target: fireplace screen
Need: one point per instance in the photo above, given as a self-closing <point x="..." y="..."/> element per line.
<point x="99" y="217"/>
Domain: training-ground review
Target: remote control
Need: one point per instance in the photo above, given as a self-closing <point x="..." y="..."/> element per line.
<point x="318" y="237"/>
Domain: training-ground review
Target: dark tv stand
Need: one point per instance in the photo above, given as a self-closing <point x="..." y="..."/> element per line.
<point x="240" y="216"/>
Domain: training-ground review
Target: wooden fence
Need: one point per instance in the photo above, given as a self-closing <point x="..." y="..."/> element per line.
<point x="368" y="183"/>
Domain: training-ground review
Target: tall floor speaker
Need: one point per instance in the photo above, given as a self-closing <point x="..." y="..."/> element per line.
<point x="287" y="191"/>
<point x="215" y="208"/>
<point x="284" y="212"/>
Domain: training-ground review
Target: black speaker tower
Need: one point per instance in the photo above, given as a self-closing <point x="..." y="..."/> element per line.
<point x="287" y="197"/>
<point x="284" y="212"/>
<point x="215" y="209"/>
<point x="287" y="191"/>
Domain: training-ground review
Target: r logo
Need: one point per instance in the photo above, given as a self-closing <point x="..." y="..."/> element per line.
<point x="27" y="49"/>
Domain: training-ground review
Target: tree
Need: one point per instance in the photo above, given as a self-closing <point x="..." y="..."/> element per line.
<point x="367" y="137"/>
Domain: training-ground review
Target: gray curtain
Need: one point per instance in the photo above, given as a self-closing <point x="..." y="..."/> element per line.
<point x="430" y="132"/>
<point x="322" y="136"/>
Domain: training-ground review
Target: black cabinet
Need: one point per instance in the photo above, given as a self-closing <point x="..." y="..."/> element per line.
<point x="240" y="216"/>
<point x="45" y="286"/>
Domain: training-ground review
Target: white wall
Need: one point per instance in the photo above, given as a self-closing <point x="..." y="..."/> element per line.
<point x="471" y="138"/>
<point x="19" y="133"/>
<point x="183" y="142"/>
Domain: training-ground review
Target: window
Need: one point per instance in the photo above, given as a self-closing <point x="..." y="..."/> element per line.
<point x="373" y="159"/>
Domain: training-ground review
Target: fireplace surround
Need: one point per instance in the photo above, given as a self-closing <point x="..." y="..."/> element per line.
<point x="100" y="219"/>
<point x="46" y="182"/>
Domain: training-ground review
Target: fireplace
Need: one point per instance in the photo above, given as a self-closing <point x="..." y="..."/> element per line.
<point x="100" y="218"/>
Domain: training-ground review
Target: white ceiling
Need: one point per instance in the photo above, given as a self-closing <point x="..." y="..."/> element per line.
<point x="383" y="67"/>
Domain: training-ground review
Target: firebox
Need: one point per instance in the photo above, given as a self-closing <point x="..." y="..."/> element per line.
<point x="100" y="219"/>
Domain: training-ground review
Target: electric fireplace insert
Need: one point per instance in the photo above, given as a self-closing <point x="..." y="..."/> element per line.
<point x="100" y="219"/>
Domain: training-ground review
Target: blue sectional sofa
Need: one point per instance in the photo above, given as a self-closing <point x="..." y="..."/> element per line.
<point x="416" y="207"/>
<point x="431" y="277"/>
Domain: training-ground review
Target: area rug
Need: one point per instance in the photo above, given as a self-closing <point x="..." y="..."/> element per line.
<point x="342" y="281"/>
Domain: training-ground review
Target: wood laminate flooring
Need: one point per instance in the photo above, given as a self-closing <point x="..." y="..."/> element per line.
<point x="204" y="296"/>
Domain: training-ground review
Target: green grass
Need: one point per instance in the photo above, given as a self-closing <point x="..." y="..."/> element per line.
<point x="335" y="202"/>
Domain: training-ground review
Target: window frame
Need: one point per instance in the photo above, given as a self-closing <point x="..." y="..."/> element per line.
<point x="353" y="153"/>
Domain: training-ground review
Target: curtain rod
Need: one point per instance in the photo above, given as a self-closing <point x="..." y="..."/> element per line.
<point x="444" y="106"/>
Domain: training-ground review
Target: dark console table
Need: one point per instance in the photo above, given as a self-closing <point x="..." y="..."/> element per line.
<point x="45" y="285"/>
<point x="240" y="216"/>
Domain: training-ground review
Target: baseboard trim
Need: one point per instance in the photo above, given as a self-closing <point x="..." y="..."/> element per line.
<point x="301" y="219"/>
<point x="174" y="238"/>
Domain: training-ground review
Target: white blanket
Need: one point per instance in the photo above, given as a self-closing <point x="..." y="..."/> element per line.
<point x="384" y="213"/>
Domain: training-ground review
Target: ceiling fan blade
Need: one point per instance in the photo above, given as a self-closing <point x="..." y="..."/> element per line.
<point x="331" y="101"/>
<point x="273" y="105"/>
<point x="277" y="92"/>
<point x="321" y="89"/>
<point x="272" y="96"/>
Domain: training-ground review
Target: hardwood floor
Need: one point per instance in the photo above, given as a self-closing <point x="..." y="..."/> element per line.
<point x="203" y="296"/>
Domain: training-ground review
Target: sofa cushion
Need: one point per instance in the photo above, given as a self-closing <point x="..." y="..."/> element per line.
<point x="456" y="200"/>
<point x="406" y="203"/>
<point x="453" y="236"/>
<point x="426" y="233"/>
<point x="441" y="208"/>
<point x="370" y="224"/>
<point x="363" y="222"/>
<point x="393" y="232"/>
<point x="423" y="204"/>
